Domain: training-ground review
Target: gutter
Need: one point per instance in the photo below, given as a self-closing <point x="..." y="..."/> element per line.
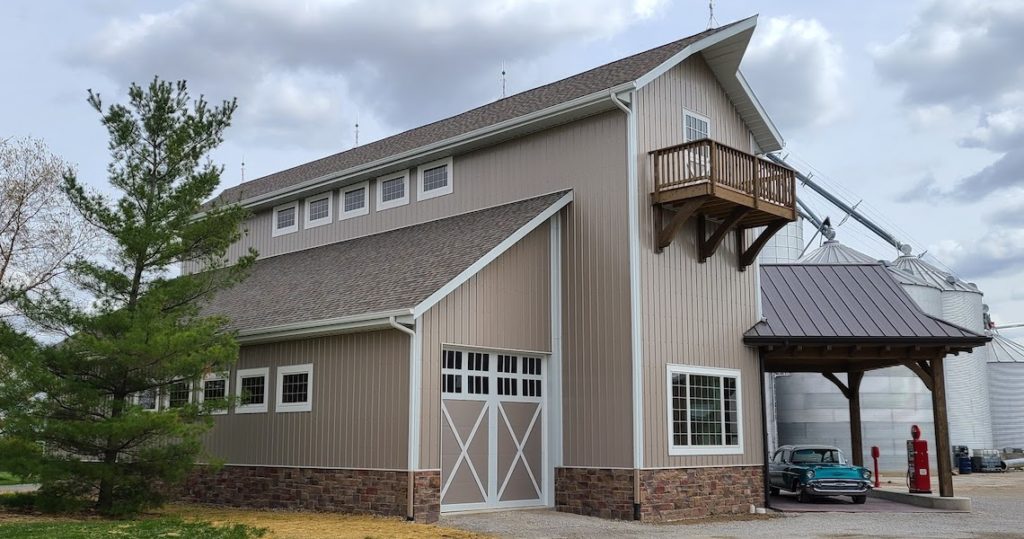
<point x="328" y="326"/>
<point x="413" y="441"/>
<point x="434" y="148"/>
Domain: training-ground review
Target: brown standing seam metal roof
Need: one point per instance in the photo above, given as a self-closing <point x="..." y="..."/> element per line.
<point x="845" y="303"/>
<point x="383" y="272"/>
<point x="589" y="82"/>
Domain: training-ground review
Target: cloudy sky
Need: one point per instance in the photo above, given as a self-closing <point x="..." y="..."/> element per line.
<point x="913" y="109"/>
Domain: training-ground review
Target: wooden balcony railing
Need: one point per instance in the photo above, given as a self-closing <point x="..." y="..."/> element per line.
<point x="706" y="161"/>
<point x="719" y="184"/>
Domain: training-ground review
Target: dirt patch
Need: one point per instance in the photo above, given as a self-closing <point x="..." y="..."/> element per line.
<point x="304" y="525"/>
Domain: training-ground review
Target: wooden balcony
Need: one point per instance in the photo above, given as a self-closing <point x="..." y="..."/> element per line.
<point x="715" y="183"/>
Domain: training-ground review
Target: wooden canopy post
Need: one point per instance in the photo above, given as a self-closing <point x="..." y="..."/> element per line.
<point x="853" y="380"/>
<point x="942" y="451"/>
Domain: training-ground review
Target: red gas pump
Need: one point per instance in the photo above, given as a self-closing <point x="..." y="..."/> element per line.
<point x="875" y="453"/>
<point x="919" y="478"/>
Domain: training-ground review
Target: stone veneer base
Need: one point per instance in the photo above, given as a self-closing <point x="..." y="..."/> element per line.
<point x="378" y="492"/>
<point x="666" y="494"/>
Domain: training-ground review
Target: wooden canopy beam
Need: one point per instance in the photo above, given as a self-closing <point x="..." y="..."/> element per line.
<point x="706" y="247"/>
<point x="856" y="432"/>
<point x="839" y="383"/>
<point x="666" y="232"/>
<point x="942" y="454"/>
<point x="922" y="371"/>
<point x="749" y="254"/>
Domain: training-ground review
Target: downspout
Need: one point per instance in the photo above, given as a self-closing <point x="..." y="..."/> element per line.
<point x="634" y="294"/>
<point x="412" y="409"/>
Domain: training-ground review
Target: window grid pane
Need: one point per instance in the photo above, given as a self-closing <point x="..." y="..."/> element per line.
<point x="147" y="399"/>
<point x="178" y="395"/>
<point x="286" y="218"/>
<point x="295" y="388"/>
<point x="254" y="390"/>
<point x="732" y="426"/>
<point x="393" y="189"/>
<point x="319" y="209"/>
<point x="435" y="178"/>
<point x="355" y="199"/>
<point x="696" y="128"/>
<point x="705" y="410"/>
<point x="214" y="390"/>
<point x="680" y="428"/>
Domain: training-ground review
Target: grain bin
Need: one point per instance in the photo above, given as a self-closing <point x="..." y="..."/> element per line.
<point x="967" y="398"/>
<point x="1006" y="391"/>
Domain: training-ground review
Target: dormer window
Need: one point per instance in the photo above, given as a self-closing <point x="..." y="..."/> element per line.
<point x="318" y="210"/>
<point x="286" y="218"/>
<point x="434" y="179"/>
<point x="354" y="200"/>
<point x="392" y="191"/>
<point x="695" y="126"/>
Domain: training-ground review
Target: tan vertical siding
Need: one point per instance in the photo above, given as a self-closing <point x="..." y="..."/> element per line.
<point x="360" y="406"/>
<point x="693" y="313"/>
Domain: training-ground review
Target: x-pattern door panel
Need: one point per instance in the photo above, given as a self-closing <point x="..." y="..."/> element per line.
<point x="492" y="439"/>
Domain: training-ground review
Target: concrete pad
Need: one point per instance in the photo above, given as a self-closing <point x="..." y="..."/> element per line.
<point x="930" y="501"/>
<point x="788" y="503"/>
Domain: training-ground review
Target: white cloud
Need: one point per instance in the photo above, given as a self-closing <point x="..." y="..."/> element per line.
<point x="796" y="65"/>
<point x="1000" y="131"/>
<point x="304" y="72"/>
<point x="957" y="52"/>
<point x="997" y="252"/>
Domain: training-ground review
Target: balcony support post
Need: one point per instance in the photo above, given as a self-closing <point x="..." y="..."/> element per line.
<point x="748" y="255"/>
<point x="707" y="246"/>
<point x="666" y="232"/>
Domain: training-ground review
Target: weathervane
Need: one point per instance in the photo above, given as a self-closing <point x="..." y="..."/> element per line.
<point x="712" y="22"/>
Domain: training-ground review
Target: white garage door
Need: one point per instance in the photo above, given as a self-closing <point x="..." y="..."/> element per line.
<point x="492" y="430"/>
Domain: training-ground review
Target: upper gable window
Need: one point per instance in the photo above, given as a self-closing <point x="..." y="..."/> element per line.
<point x="392" y="191"/>
<point x="286" y="218"/>
<point x="354" y="201"/>
<point x="695" y="126"/>
<point x="318" y="209"/>
<point x="434" y="179"/>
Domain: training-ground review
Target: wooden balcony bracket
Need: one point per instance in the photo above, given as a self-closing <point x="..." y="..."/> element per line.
<point x="749" y="254"/>
<point x="666" y="232"/>
<point x="707" y="246"/>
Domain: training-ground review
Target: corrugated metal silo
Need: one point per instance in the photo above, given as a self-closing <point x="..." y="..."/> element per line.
<point x="786" y="245"/>
<point x="1006" y="386"/>
<point x="809" y="409"/>
<point x="967" y="398"/>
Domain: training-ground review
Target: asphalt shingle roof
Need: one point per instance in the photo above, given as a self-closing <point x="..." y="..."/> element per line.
<point x="388" y="271"/>
<point x="845" y="303"/>
<point x="589" y="82"/>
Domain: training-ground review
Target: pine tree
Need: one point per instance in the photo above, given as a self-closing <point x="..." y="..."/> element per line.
<point x="144" y="332"/>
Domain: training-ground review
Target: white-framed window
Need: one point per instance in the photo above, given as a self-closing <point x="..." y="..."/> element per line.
<point x="704" y="411"/>
<point x="286" y="218"/>
<point x="392" y="191"/>
<point x="215" y="387"/>
<point x="320" y="209"/>
<point x="294" y="388"/>
<point x="695" y="126"/>
<point x="355" y="200"/>
<point x="434" y="179"/>
<point x="177" y="395"/>
<point x="148" y="400"/>
<point x="252" y="386"/>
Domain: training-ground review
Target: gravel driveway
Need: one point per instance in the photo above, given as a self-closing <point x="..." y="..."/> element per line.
<point x="998" y="502"/>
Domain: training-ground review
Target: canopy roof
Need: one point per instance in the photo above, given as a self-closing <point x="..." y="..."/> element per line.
<point x="840" y="317"/>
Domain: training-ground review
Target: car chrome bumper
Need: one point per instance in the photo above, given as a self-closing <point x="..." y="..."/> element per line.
<point x="838" y="487"/>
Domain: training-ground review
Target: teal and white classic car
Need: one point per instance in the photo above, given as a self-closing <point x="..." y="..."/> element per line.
<point x="817" y="470"/>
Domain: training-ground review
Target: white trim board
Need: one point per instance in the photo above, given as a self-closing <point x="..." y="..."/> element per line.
<point x="491" y="255"/>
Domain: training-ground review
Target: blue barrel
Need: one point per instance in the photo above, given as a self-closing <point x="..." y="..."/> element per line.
<point x="964" y="463"/>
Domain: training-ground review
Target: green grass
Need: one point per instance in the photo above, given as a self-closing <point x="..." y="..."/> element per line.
<point x="7" y="478"/>
<point x="109" y="529"/>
